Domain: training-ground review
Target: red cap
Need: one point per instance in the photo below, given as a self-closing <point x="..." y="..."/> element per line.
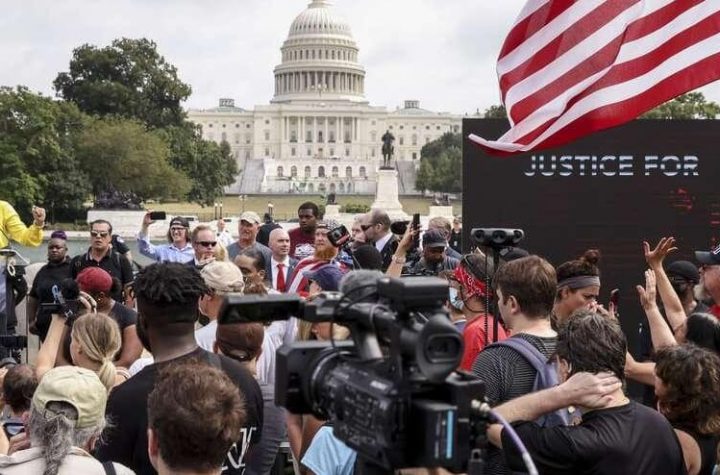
<point x="94" y="279"/>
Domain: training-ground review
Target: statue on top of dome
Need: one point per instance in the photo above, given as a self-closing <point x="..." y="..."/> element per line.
<point x="387" y="149"/>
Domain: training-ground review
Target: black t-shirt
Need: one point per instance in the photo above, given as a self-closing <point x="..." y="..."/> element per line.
<point x="507" y="375"/>
<point x="124" y="316"/>
<point x="626" y="440"/>
<point x="126" y="441"/>
<point x="113" y="263"/>
<point x="49" y="275"/>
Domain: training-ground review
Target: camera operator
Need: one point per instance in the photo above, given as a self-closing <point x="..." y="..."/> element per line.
<point x="616" y="436"/>
<point x="326" y="454"/>
<point x="434" y="255"/>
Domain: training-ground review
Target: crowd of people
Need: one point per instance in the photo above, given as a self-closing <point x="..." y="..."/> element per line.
<point x="138" y="372"/>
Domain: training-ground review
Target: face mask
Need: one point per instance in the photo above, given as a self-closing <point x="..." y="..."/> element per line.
<point x="455" y="299"/>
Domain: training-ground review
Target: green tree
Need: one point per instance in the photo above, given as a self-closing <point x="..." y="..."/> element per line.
<point x="495" y="112"/>
<point x="210" y="166"/>
<point x="38" y="152"/>
<point x="127" y="79"/>
<point x="441" y="165"/>
<point x="692" y="105"/>
<point x="121" y="155"/>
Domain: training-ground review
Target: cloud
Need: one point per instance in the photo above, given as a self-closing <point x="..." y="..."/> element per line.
<point x="441" y="52"/>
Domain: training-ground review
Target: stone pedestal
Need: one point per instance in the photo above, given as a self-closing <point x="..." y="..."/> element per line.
<point x="442" y="211"/>
<point x="387" y="194"/>
<point x="332" y="212"/>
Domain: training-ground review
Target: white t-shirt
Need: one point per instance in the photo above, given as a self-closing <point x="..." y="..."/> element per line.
<point x="205" y="337"/>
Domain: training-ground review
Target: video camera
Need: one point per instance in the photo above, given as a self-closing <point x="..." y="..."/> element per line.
<point x="66" y="299"/>
<point x="392" y="393"/>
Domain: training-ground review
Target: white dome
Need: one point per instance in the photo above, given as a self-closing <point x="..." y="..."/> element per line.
<point x="319" y="59"/>
<point x="318" y="19"/>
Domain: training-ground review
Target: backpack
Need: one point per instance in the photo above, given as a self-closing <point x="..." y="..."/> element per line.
<point x="546" y="377"/>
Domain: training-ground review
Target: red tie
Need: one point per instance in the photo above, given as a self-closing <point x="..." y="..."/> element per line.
<point x="280" y="286"/>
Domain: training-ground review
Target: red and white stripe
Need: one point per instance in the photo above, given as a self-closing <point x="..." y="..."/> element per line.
<point x="569" y="68"/>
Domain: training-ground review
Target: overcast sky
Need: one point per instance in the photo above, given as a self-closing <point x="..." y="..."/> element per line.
<point x="441" y="52"/>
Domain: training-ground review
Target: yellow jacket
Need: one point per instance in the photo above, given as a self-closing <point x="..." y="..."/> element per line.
<point x="11" y="227"/>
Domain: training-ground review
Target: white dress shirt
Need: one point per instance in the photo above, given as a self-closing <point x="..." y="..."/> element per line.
<point x="274" y="269"/>
<point x="379" y="245"/>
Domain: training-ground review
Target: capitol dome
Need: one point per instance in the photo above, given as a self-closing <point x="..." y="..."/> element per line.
<point x="319" y="59"/>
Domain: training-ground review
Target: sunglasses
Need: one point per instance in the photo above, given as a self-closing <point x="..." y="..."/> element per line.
<point x="99" y="234"/>
<point x="207" y="243"/>
<point x="365" y="227"/>
<point x="174" y="228"/>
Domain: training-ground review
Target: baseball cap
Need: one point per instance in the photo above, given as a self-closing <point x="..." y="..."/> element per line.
<point x="684" y="269"/>
<point x="434" y="238"/>
<point x="709" y="258"/>
<point x="223" y="277"/>
<point x="250" y="217"/>
<point x="327" y="224"/>
<point x="94" y="279"/>
<point x="79" y="387"/>
<point x="179" y="221"/>
<point x="327" y="277"/>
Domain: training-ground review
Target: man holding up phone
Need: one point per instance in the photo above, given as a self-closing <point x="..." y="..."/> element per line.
<point x="178" y="248"/>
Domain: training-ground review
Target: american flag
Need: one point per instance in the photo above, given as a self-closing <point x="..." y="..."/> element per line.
<point x="572" y="67"/>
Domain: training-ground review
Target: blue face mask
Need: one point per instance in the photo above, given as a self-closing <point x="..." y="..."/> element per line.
<point x="455" y="299"/>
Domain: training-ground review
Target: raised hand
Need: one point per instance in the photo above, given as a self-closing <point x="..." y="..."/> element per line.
<point x="656" y="256"/>
<point x="38" y="216"/>
<point x="146" y="219"/>
<point x="648" y="294"/>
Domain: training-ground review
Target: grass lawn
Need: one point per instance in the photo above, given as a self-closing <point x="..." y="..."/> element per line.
<point x="285" y="207"/>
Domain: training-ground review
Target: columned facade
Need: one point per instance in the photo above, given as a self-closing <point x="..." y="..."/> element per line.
<point x="319" y="134"/>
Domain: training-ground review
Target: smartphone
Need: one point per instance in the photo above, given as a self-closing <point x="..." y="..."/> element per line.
<point x="158" y="215"/>
<point x="615" y="297"/>
<point x="416" y="226"/>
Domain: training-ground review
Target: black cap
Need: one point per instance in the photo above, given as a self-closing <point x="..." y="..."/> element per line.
<point x="685" y="270"/>
<point x="180" y="221"/>
<point x="709" y="258"/>
<point x="434" y="238"/>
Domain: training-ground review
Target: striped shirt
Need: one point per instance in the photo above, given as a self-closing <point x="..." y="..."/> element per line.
<point x="507" y="375"/>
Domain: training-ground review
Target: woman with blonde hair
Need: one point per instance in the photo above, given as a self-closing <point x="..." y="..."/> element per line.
<point x="95" y="340"/>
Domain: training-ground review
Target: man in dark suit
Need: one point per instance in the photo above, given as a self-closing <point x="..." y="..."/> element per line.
<point x="281" y="266"/>
<point x="376" y="226"/>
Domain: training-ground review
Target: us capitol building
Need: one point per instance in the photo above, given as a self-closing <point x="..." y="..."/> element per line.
<point x="319" y="133"/>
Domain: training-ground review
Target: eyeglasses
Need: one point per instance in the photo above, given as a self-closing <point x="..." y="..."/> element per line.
<point x="207" y="243"/>
<point x="101" y="234"/>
